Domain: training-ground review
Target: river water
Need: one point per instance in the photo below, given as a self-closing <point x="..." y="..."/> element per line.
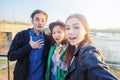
<point x="109" y="44"/>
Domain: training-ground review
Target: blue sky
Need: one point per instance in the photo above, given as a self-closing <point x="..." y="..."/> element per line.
<point x="99" y="13"/>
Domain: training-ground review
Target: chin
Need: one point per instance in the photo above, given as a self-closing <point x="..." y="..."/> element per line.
<point x="73" y="44"/>
<point x="40" y="29"/>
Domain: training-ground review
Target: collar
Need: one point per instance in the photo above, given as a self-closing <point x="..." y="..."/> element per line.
<point x="33" y="32"/>
<point x="76" y="50"/>
<point x="58" y="45"/>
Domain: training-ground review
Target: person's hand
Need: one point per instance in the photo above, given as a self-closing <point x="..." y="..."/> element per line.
<point x="36" y="44"/>
<point x="58" y="56"/>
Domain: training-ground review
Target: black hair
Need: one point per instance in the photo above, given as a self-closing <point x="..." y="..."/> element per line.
<point x="39" y="11"/>
<point x="59" y="23"/>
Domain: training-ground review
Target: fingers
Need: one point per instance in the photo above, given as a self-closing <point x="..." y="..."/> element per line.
<point x="36" y="44"/>
<point x="31" y="42"/>
<point x="39" y="40"/>
<point x="58" y="57"/>
<point x="40" y="46"/>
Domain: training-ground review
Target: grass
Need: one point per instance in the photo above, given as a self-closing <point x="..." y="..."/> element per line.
<point x="2" y="62"/>
<point x="4" y="74"/>
<point x="115" y="71"/>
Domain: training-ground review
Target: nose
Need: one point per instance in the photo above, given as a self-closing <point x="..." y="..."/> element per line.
<point x="71" y="31"/>
<point x="40" y="22"/>
<point x="56" y="35"/>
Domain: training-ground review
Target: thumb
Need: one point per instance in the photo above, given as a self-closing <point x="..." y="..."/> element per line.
<point x="30" y="38"/>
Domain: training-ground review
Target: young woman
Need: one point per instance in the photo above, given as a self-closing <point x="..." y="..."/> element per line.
<point x="84" y="61"/>
<point x="56" y="69"/>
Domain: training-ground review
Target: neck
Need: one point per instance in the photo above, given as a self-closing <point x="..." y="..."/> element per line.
<point x="37" y="31"/>
<point x="57" y="44"/>
<point x="76" y="46"/>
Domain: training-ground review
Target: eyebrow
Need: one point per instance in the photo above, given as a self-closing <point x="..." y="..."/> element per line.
<point x="73" y="24"/>
<point x="66" y="25"/>
<point x="38" y="18"/>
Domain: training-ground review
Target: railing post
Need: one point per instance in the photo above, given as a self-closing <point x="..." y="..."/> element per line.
<point x="8" y="69"/>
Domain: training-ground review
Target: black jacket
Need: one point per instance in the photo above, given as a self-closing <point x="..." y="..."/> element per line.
<point x="88" y="64"/>
<point x="20" y="50"/>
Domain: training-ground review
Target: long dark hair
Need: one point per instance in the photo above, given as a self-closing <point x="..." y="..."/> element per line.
<point x="71" y="49"/>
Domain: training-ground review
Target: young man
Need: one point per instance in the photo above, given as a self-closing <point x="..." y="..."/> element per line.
<point x="30" y="48"/>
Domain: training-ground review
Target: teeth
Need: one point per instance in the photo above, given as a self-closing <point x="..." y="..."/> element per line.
<point x="72" y="38"/>
<point x="39" y="26"/>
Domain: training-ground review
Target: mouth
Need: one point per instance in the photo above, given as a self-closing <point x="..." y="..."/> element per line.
<point x="72" y="39"/>
<point x="39" y="26"/>
<point x="57" y="39"/>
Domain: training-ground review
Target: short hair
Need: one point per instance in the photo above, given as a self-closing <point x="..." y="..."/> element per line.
<point x="39" y="11"/>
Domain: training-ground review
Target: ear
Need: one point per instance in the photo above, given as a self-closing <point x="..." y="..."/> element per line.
<point x="45" y="22"/>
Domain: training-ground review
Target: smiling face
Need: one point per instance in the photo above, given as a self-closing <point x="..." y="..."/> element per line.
<point x="39" y="22"/>
<point x="58" y="34"/>
<point x="75" y="31"/>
